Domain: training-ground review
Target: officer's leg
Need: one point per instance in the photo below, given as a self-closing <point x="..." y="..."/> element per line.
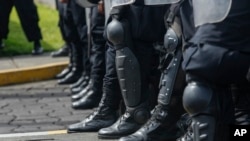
<point x="64" y="51"/>
<point x="92" y="97"/>
<point x="203" y="103"/>
<point x="66" y="34"/>
<point x="106" y="113"/>
<point x="207" y="97"/>
<point x="241" y="99"/>
<point x="28" y="15"/>
<point x="129" y="74"/>
<point x="68" y="69"/>
<point x="78" y="20"/>
<point x="162" y="124"/>
<point x="5" y="9"/>
<point x="78" y="45"/>
<point x="77" y="64"/>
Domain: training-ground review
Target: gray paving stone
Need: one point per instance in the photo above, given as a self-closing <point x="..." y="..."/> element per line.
<point x="6" y="119"/>
<point x="17" y="87"/>
<point x="56" y="91"/>
<point x="41" y="112"/>
<point x="8" y="92"/>
<point x="3" y="104"/>
<point x="26" y="128"/>
<point x="47" y="120"/>
<point x="29" y="101"/>
<point x="67" y="90"/>
<point x="17" y="110"/>
<point x="73" y="118"/>
<point x="22" y="111"/>
<point x="7" y="129"/>
<point x="64" y="100"/>
<point x="59" y="113"/>
<point x="36" y="91"/>
<point x="37" y="107"/>
<point x="82" y="112"/>
<point x="48" y="100"/>
<point x="35" y="117"/>
<point x="53" y="106"/>
<point x="49" y="127"/>
<point x="4" y="111"/>
<point x="22" y="121"/>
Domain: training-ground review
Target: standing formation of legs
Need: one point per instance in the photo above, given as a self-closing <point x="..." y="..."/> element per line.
<point x="197" y="54"/>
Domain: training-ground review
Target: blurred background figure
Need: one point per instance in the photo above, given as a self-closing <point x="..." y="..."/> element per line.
<point x="28" y="16"/>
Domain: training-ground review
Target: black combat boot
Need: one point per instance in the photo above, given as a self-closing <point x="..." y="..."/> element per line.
<point x="68" y="69"/>
<point x="82" y="93"/>
<point x="64" y="51"/>
<point x="127" y="124"/>
<point x="77" y="65"/>
<point x="104" y="116"/>
<point x="241" y="98"/>
<point x="38" y="49"/>
<point x="162" y="124"/>
<point x="81" y="86"/>
<point x="91" y="98"/>
<point x="83" y="78"/>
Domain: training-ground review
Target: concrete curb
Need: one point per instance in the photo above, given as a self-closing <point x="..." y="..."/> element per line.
<point x="31" y="74"/>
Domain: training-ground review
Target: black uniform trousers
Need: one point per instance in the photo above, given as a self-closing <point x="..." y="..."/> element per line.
<point x="75" y="31"/>
<point x="98" y="45"/>
<point x="216" y="64"/>
<point x="62" y="10"/>
<point x="28" y="15"/>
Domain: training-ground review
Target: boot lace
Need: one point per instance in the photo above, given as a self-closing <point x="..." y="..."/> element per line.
<point x="157" y="114"/>
<point x="184" y="124"/>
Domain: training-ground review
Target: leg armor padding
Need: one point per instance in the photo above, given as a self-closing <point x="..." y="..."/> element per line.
<point x="199" y="102"/>
<point x="128" y="71"/>
<point x="140" y="113"/>
<point x="115" y="32"/>
<point x="127" y="65"/>
<point x="118" y="33"/>
<point x="172" y="81"/>
<point x="197" y="97"/>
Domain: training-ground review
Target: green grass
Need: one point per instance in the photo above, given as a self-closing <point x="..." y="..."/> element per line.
<point x="17" y="43"/>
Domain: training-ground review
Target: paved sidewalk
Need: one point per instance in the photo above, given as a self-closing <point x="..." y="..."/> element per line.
<point x="28" y="68"/>
<point x="39" y="106"/>
<point x="24" y="61"/>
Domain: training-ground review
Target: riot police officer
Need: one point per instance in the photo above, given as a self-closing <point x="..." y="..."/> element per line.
<point x="28" y="15"/>
<point x="165" y="117"/>
<point x="132" y="34"/>
<point x="220" y="44"/>
<point x="135" y="87"/>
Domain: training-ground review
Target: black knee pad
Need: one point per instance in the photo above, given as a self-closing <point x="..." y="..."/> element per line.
<point x="197" y="98"/>
<point x="115" y="32"/>
<point x="118" y="32"/>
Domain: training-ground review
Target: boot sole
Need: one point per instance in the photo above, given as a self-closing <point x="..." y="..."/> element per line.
<point x="109" y="137"/>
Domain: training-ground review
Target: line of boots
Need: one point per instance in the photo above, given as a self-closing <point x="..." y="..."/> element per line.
<point x="77" y="67"/>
